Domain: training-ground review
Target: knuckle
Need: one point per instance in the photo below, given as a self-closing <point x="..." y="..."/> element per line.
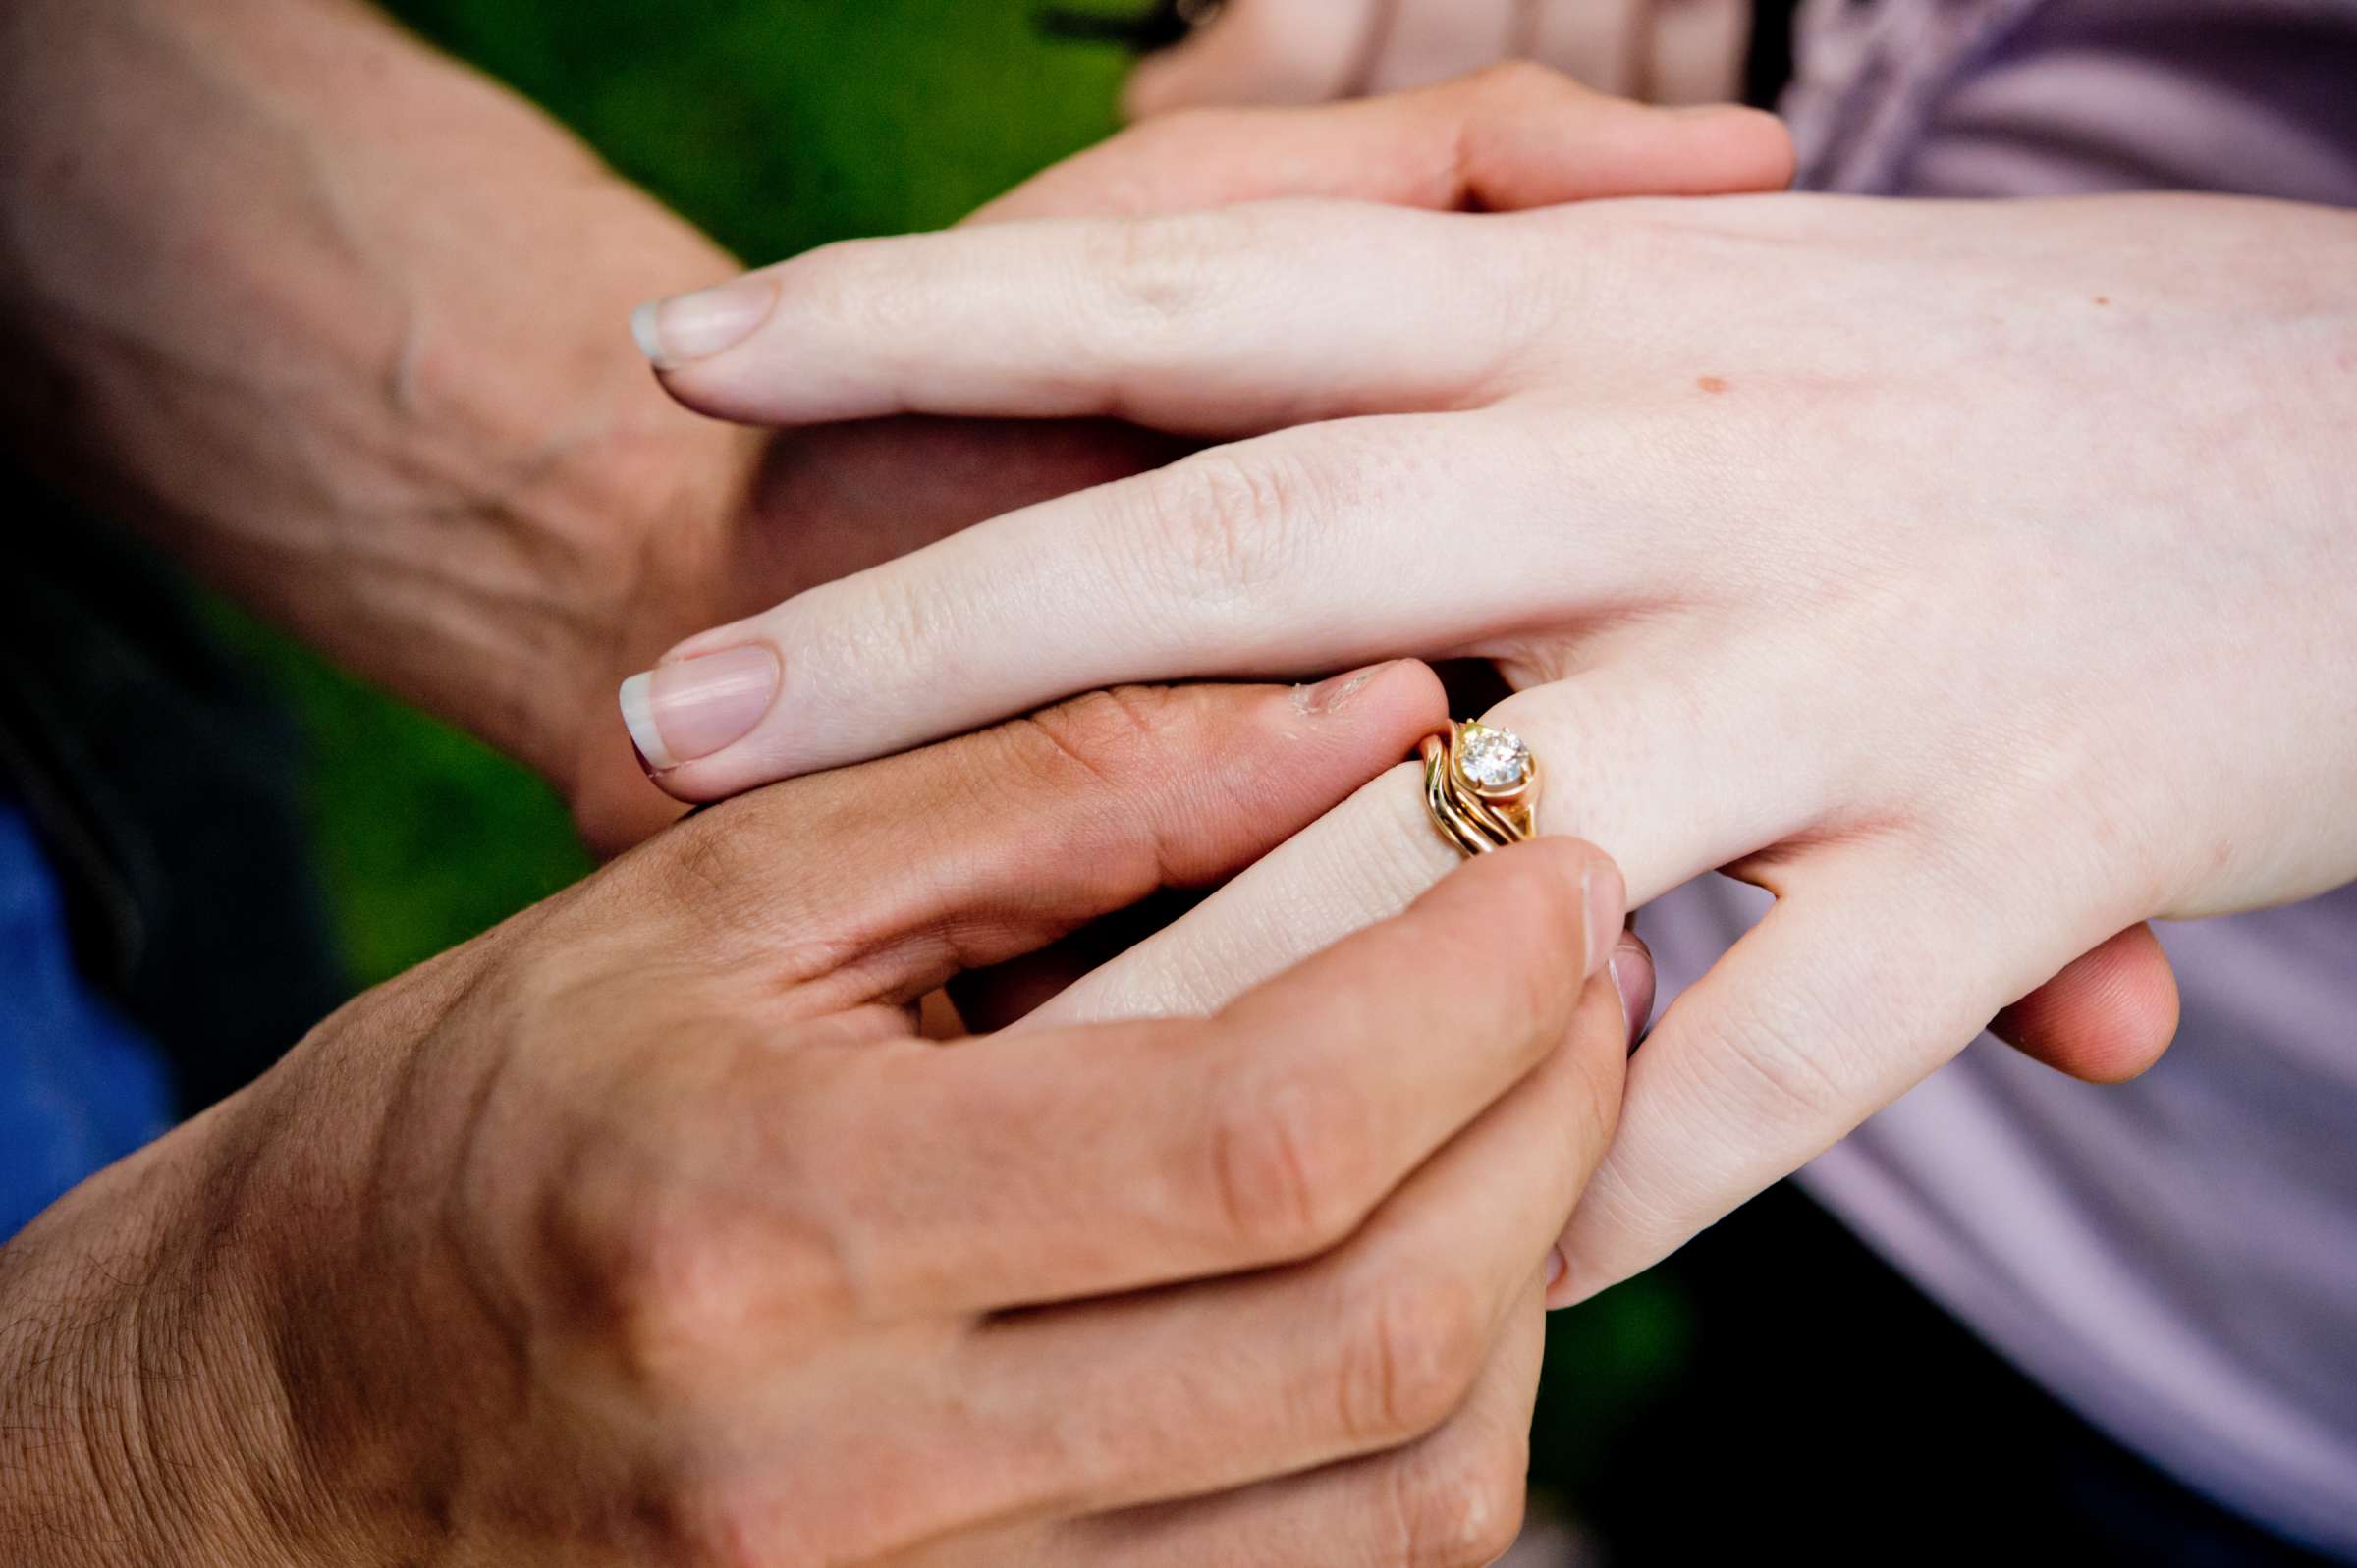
<point x="900" y="628"/>
<point x="1779" y="1067"/>
<point x="703" y="875"/>
<point x="1410" y="1356"/>
<point x="1460" y="1506"/>
<point x="1102" y="735"/>
<point x="649" y="1287"/>
<point x="1222" y="521"/>
<point x="1293" y="1168"/>
<point x="656" y="1275"/>
<point x="1158" y="271"/>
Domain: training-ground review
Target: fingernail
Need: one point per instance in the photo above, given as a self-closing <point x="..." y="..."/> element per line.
<point x="1605" y="897"/>
<point x="1557" y="1268"/>
<point x="1335" y="694"/>
<point x="1632" y="969"/>
<point x="680" y="331"/>
<point x="680" y="712"/>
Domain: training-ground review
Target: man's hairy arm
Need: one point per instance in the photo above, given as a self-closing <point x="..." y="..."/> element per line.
<point x="341" y="324"/>
<point x="138" y="1423"/>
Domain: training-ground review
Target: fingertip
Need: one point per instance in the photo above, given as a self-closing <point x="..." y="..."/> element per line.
<point x="1405" y="695"/>
<point x="1605" y="894"/>
<point x="1714" y="149"/>
<point x="1767" y="157"/>
<point x="1565" y="886"/>
<point x="1633" y="981"/>
<point x="2105" y="1019"/>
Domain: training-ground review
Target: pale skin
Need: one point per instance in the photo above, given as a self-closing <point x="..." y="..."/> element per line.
<point x="1978" y="578"/>
<point x="645" y="1229"/>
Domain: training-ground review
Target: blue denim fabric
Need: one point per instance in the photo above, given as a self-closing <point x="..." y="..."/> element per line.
<point x="79" y="1087"/>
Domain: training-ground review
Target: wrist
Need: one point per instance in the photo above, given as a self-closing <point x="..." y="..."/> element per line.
<point x="141" y="1418"/>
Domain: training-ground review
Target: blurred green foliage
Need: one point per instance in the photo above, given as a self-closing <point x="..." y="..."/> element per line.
<point x="776" y="125"/>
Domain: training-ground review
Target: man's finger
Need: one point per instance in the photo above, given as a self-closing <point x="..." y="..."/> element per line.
<point x="1455" y="1496"/>
<point x="1501" y="139"/>
<point x="1258" y="51"/>
<point x="1184" y="1391"/>
<point x="982" y="849"/>
<point x="1065" y="1164"/>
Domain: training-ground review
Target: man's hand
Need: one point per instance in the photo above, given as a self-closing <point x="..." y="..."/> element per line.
<point x="645" y="1231"/>
<point x="1307" y="51"/>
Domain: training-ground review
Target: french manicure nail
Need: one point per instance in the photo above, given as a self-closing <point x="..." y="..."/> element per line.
<point x="1335" y="694"/>
<point x="680" y="331"/>
<point x="680" y="712"/>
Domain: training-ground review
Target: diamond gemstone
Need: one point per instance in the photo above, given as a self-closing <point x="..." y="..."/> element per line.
<point x="1493" y="758"/>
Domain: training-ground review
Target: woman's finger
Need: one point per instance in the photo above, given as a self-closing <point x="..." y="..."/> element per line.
<point x="1863" y="979"/>
<point x="1203" y="323"/>
<point x="1308" y="550"/>
<point x="992" y="846"/>
<point x="1809" y="1025"/>
<point x="1677" y="772"/>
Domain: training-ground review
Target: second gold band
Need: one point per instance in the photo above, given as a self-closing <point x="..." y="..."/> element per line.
<point x="1481" y="785"/>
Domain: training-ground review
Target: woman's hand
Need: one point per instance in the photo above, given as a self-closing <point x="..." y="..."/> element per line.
<point x="1304" y="51"/>
<point x="811" y="505"/>
<point x="1980" y="579"/>
<point x="645" y="1230"/>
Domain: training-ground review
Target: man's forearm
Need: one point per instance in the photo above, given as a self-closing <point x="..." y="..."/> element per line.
<point x="344" y="325"/>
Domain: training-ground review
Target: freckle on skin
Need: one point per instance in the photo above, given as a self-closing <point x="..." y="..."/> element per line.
<point x="2102" y="298"/>
<point x="1711" y="383"/>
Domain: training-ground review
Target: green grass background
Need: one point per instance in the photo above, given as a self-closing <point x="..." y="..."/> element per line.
<point x="777" y="124"/>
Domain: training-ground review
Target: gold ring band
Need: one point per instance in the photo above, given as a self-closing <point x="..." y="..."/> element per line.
<point x="1481" y="785"/>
